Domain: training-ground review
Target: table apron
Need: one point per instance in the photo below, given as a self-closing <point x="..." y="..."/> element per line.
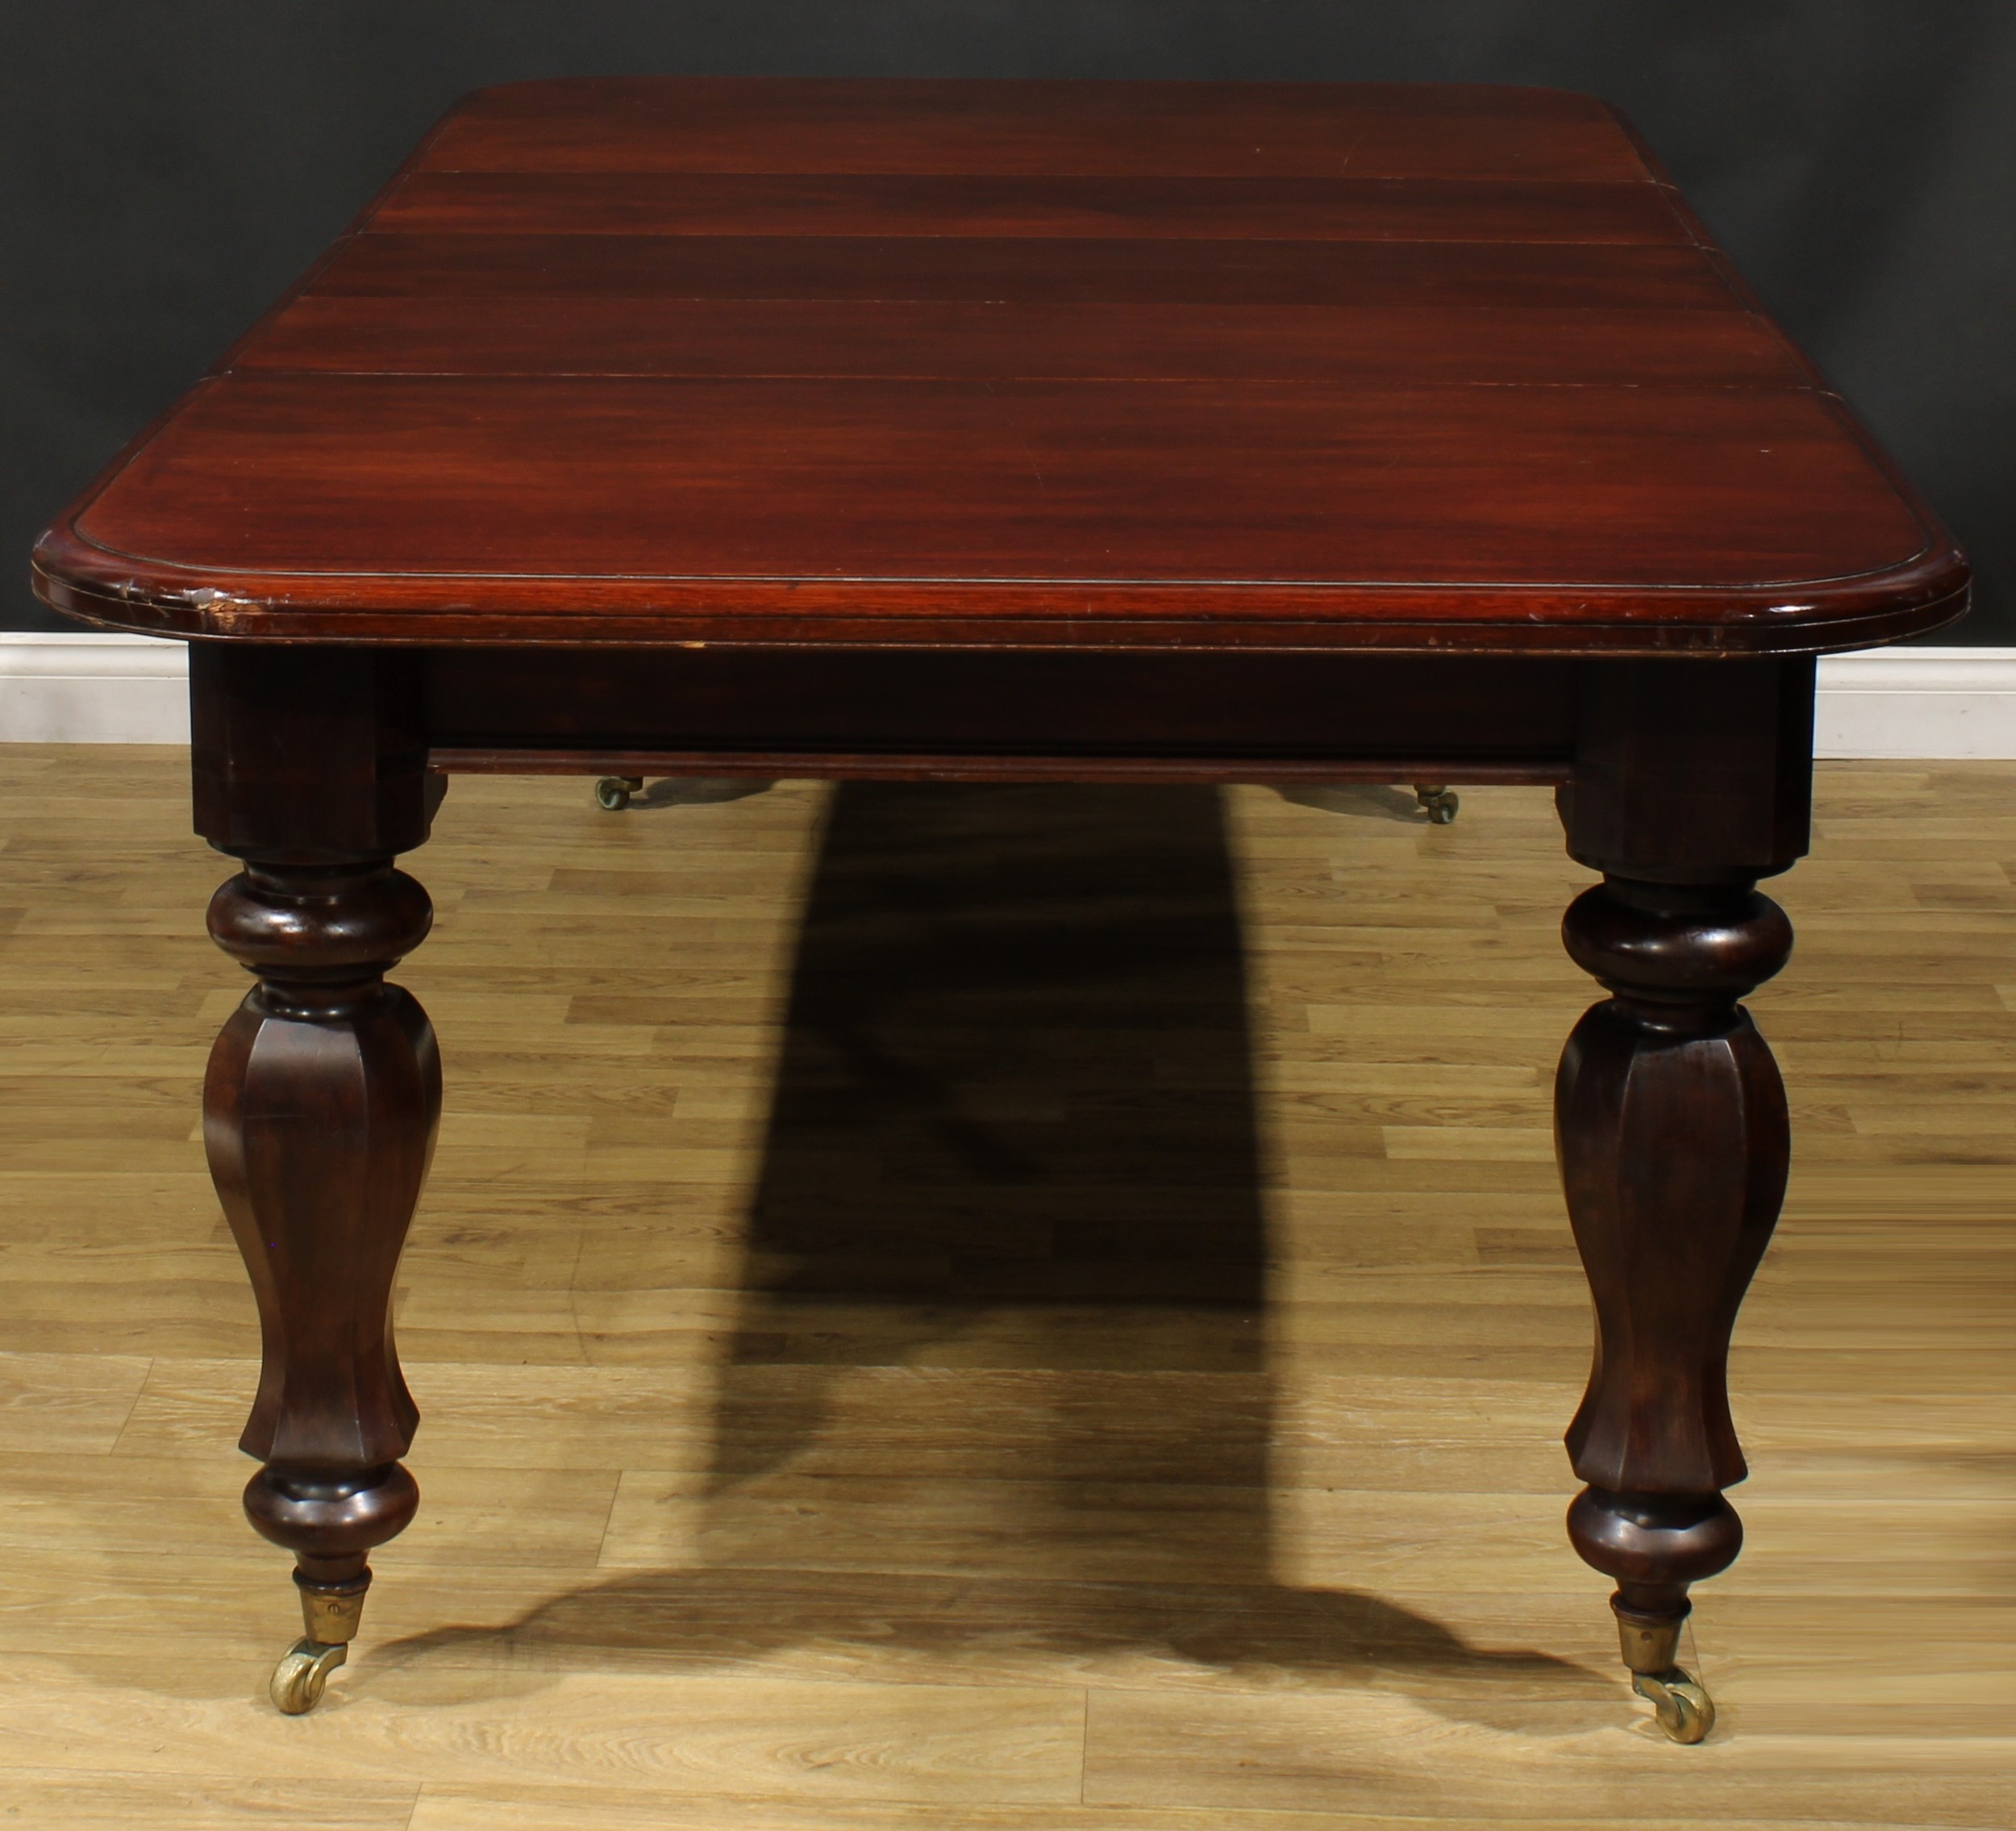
<point x="1671" y="769"/>
<point x="960" y="714"/>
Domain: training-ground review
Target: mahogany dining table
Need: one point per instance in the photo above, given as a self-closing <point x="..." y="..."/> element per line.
<point x="1005" y="431"/>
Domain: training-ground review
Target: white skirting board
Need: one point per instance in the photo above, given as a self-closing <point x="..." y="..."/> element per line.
<point x="1940" y="704"/>
<point x="1931" y="703"/>
<point x="86" y="688"/>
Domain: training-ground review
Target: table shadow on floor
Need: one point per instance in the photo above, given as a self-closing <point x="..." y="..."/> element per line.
<point x="999" y="1376"/>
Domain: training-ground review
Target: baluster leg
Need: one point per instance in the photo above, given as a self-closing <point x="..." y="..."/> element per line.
<point x="1672" y="1131"/>
<point x="319" y="1111"/>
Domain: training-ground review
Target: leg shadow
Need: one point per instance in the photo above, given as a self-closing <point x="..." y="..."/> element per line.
<point x="698" y="791"/>
<point x="1372" y="801"/>
<point x="998" y="1395"/>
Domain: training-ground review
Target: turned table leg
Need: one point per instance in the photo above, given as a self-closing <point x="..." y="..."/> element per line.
<point x="310" y="769"/>
<point x="1671" y="1126"/>
<point x="318" y="1114"/>
<point x="1692" y="782"/>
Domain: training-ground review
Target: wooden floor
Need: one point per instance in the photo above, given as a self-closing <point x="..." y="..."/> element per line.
<point x="1027" y="1309"/>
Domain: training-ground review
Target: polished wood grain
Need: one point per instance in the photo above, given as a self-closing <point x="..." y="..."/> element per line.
<point x="1069" y="270"/>
<point x="1065" y="366"/>
<point x="547" y="335"/>
<point x="319" y="1109"/>
<point x="1240" y="209"/>
<point x="707" y="1545"/>
<point x="1106" y="129"/>
<point x="1674" y="1142"/>
<point x="808" y="478"/>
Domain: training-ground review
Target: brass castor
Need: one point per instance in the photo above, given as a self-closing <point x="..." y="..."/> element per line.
<point x="613" y="793"/>
<point x="1686" y="1712"/>
<point x="1651" y="1646"/>
<point x="303" y="1669"/>
<point x="1437" y="803"/>
<point x="330" y="1615"/>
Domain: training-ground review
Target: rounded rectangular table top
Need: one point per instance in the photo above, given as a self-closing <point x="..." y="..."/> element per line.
<point x="1027" y="365"/>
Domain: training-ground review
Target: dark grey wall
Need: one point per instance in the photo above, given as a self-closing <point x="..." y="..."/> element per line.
<point x="166" y="168"/>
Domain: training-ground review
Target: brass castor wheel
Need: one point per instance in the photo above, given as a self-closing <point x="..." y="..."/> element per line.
<point x="1437" y="803"/>
<point x="303" y="1669"/>
<point x="613" y="793"/>
<point x="1649" y="1643"/>
<point x="1686" y="1712"/>
<point x="330" y="1613"/>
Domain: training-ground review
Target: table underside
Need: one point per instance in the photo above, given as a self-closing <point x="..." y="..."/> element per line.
<point x="978" y="716"/>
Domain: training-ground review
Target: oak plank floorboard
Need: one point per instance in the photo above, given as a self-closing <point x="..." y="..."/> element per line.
<point x="918" y="1743"/>
<point x="85" y="1400"/>
<point x="558" y="1809"/>
<point x="726" y="1526"/>
<point x="65" y="1800"/>
<point x="1522" y="1761"/>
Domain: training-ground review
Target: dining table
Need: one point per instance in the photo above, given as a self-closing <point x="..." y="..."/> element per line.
<point x="1285" y="433"/>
